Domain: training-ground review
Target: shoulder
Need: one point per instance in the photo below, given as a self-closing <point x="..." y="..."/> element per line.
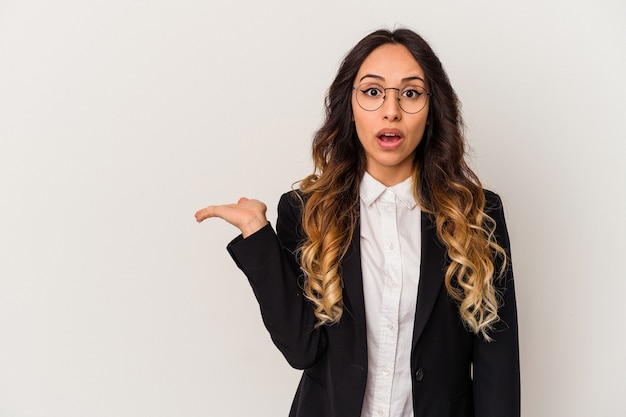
<point x="291" y="200"/>
<point x="290" y="206"/>
<point x="289" y="222"/>
<point x="492" y="201"/>
<point x="494" y="208"/>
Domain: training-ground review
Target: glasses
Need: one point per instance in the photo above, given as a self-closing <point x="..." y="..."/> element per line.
<point x="371" y="96"/>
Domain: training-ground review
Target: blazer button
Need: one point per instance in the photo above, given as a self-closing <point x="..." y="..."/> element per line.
<point x="419" y="375"/>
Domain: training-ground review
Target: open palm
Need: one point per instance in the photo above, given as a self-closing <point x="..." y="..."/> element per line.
<point x="247" y="215"/>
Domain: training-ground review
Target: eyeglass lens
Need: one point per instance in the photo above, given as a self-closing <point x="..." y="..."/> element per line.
<point x="371" y="96"/>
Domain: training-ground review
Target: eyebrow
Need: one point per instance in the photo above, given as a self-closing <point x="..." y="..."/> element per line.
<point x="378" y="77"/>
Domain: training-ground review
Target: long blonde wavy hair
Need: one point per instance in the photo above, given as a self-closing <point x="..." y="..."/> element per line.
<point x="444" y="186"/>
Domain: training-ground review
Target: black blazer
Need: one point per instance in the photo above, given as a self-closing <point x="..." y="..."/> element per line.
<point x="456" y="374"/>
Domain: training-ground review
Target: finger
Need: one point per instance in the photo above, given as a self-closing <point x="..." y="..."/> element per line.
<point x="205" y="213"/>
<point x="212" y="211"/>
<point x="224" y="211"/>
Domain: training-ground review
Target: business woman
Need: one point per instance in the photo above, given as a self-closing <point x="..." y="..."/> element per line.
<point x="388" y="279"/>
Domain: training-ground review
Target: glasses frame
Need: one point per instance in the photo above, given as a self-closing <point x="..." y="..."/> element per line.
<point x="428" y="95"/>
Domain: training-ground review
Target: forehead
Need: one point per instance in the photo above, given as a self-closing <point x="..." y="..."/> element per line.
<point x="392" y="62"/>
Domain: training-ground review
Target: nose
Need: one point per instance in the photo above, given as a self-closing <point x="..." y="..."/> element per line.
<point x="391" y="105"/>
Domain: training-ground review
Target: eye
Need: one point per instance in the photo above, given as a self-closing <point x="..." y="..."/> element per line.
<point x="373" y="91"/>
<point x="412" y="93"/>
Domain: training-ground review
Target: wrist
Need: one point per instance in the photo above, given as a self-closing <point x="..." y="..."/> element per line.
<point x="253" y="227"/>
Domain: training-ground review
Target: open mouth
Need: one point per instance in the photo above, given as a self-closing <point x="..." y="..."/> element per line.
<point x="389" y="138"/>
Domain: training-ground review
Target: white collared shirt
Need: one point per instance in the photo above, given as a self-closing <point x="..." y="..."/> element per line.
<point x="390" y="262"/>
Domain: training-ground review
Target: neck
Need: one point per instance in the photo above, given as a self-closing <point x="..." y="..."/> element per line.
<point x="389" y="178"/>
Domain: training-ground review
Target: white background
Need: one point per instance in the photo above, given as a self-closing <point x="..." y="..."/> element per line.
<point x="118" y="119"/>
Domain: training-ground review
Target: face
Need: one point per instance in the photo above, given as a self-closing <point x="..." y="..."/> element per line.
<point x="389" y="135"/>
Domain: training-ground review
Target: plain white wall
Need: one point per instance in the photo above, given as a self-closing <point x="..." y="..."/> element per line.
<point x="118" y="119"/>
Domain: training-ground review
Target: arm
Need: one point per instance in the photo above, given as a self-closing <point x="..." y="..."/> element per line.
<point x="269" y="261"/>
<point x="496" y="363"/>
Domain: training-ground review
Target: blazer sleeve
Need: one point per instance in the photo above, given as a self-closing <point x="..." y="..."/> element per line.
<point x="270" y="262"/>
<point x="496" y="363"/>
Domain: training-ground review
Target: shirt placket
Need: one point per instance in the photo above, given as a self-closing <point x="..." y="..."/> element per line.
<point x="390" y="304"/>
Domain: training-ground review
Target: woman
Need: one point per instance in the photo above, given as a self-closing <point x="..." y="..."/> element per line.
<point x="388" y="280"/>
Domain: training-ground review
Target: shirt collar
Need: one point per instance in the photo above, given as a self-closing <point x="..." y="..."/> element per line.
<point x="371" y="190"/>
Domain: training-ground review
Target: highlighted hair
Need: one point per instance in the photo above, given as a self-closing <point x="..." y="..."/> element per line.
<point x="444" y="186"/>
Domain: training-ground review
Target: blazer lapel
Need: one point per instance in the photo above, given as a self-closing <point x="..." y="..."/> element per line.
<point x="354" y="302"/>
<point x="432" y="271"/>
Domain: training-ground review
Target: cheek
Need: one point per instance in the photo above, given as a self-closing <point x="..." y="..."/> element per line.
<point x="420" y="124"/>
<point x="362" y="119"/>
<point x="419" y="134"/>
<point x="361" y="128"/>
<point x="358" y="123"/>
<point x="359" y="133"/>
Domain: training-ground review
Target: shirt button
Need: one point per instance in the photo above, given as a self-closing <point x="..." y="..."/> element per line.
<point x="390" y="326"/>
<point x="419" y="375"/>
<point x="386" y="371"/>
<point x="380" y="412"/>
<point x="394" y="284"/>
<point x="391" y="246"/>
